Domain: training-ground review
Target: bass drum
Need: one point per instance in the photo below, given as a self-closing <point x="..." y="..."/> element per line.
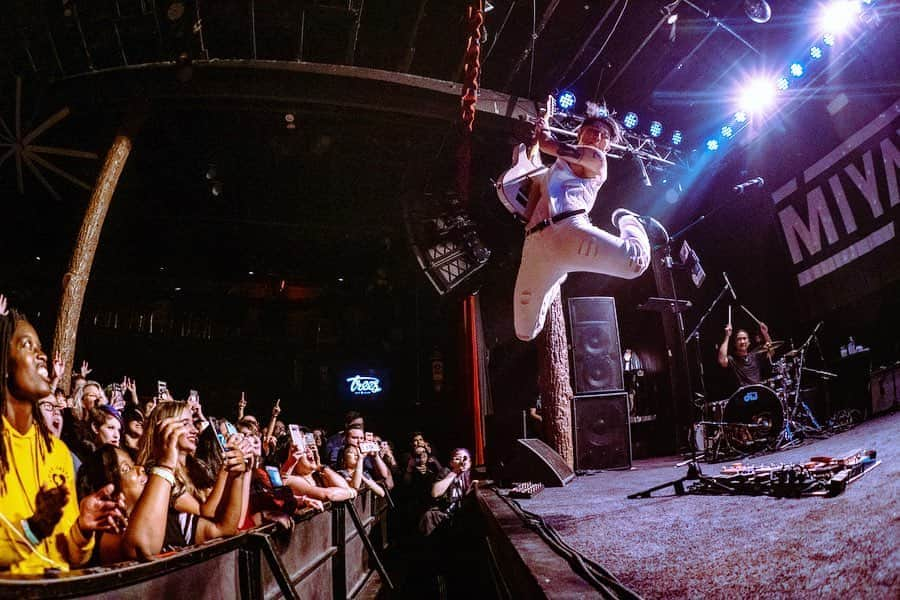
<point x="758" y="408"/>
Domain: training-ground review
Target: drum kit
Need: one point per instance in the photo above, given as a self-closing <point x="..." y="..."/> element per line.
<point x="763" y="416"/>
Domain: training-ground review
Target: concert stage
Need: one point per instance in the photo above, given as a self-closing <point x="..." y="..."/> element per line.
<point x="671" y="546"/>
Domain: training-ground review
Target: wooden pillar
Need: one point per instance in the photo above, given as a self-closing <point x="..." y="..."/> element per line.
<point x="556" y="391"/>
<point x="75" y="280"/>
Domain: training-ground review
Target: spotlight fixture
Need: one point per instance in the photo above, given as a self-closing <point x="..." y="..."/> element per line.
<point x="656" y="128"/>
<point x="815" y="52"/>
<point x="727" y="131"/>
<point x="712" y="145"/>
<point x="677" y="137"/>
<point x="758" y="11"/>
<point x="839" y="16"/>
<point x="758" y="95"/>
<point x="565" y="100"/>
<point x="828" y="39"/>
<point x="797" y="70"/>
<point x="630" y="121"/>
<point x="783" y="83"/>
<point x="740" y="116"/>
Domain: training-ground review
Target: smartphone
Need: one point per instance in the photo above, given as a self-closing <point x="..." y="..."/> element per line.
<point x="118" y="398"/>
<point x="296" y="436"/>
<point x="161" y="390"/>
<point x="274" y="476"/>
<point x="370" y="437"/>
<point x="230" y="428"/>
<point x="194" y="397"/>
<point x="310" y="439"/>
<point x="366" y="447"/>
<point x="215" y="427"/>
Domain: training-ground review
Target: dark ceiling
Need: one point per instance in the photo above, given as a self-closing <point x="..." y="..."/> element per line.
<point x="321" y="201"/>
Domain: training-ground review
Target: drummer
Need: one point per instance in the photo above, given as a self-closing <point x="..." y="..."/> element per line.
<point x="749" y="367"/>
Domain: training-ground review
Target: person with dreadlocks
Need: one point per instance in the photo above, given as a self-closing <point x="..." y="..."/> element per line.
<point x="42" y="524"/>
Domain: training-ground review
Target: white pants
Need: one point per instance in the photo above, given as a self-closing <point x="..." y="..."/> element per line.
<point x="573" y="244"/>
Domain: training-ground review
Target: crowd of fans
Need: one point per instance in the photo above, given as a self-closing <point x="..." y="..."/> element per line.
<point x="87" y="475"/>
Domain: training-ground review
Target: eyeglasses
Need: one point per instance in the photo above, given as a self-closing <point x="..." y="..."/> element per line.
<point x="50" y="407"/>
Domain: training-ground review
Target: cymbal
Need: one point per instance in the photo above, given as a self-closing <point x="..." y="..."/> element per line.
<point x="791" y="353"/>
<point x="766" y="348"/>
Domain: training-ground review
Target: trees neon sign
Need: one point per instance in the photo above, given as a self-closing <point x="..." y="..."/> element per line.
<point x="361" y="385"/>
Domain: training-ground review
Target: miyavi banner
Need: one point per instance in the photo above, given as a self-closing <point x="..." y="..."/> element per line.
<point x="838" y="217"/>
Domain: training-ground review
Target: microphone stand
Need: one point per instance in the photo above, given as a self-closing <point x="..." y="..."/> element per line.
<point x="696" y="334"/>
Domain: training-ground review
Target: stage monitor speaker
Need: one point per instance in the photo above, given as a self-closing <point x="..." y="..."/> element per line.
<point x="602" y="432"/>
<point x="533" y="460"/>
<point x="596" y="354"/>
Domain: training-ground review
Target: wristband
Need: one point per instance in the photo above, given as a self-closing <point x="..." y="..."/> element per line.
<point x="29" y="534"/>
<point x="164" y="474"/>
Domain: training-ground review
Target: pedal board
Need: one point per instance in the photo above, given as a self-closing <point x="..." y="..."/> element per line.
<point x="525" y="490"/>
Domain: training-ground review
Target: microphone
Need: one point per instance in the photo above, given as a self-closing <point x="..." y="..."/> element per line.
<point x="728" y="283"/>
<point x="755" y="182"/>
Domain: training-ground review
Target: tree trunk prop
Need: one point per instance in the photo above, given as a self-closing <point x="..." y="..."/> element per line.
<point x="556" y="392"/>
<point x="76" y="278"/>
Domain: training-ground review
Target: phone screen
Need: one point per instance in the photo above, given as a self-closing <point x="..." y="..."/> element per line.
<point x="274" y="476"/>
<point x="161" y="389"/>
<point x="296" y="436"/>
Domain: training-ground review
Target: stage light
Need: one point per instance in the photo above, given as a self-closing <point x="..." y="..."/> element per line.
<point x="796" y="69"/>
<point x="727" y="131"/>
<point x="630" y="121"/>
<point x="783" y="83"/>
<point x="828" y="39"/>
<point x="712" y="145"/>
<point x="839" y="16"/>
<point x="677" y="137"/>
<point x="656" y="128"/>
<point x="593" y="109"/>
<point x="815" y="52"/>
<point x="758" y="11"/>
<point x="740" y="116"/>
<point x="757" y="95"/>
<point x="565" y="100"/>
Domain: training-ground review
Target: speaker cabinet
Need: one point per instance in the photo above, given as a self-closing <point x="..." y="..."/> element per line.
<point x="596" y="354"/>
<point x="533" y="460"/>
<point x="602" y="432"/>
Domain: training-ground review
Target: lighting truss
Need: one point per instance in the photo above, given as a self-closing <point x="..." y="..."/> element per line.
<point x="654" y="154"/>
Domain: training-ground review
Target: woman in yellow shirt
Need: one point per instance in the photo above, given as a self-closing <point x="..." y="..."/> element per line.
<point x="41" y="522"/>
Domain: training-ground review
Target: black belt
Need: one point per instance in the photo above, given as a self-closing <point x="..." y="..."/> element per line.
<point x="556" y="219"/>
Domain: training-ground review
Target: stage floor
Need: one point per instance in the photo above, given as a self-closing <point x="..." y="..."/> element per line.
<point x="695" y="546"/>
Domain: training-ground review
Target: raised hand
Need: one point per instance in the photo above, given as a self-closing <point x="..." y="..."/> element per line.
<point x="242" y="404"/>
<point x="85" y="369"/>
<point x="102" y="511"/>
<point x="728" y="330"/>
<point x="3" y="310"/>
<point x="233" y="458"/>
<point x="169" y="431"/>
<point x="276" y="409"/>
<point x="49" y="504"/>
<point x="58" y="366"/>
<point x="130" y="386"/>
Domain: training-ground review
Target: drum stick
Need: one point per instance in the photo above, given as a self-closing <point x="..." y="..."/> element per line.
<point x="729" y="315"/>
<point x="758" y="322"/>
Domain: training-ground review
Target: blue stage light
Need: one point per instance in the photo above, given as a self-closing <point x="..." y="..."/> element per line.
<point x="727" y="131"/>
<point x="630" y="121"/>
<point x="712" y="144"/>
<point x="677" y="137"/>
<point x="783" y="83"/>
<point x="740" y="116"/>
<point x="796" y="69"/>
<point x="565" y="100"/>
<point x="655" y="128"/>
<point x="828" y="39"/>
<point x="815" y="52"/>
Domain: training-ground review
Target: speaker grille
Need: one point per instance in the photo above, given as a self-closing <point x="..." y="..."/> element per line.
<point x="602" y="432"/>
<point x="596" y="355"/>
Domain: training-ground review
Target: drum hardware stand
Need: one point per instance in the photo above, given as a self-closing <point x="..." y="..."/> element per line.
<point x="797" y="411"/>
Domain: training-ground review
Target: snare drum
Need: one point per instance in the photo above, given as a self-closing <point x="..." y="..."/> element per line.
<point x="757" y="407"/>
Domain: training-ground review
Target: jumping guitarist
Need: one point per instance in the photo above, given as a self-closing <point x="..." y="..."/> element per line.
<point x="559" y="236"/>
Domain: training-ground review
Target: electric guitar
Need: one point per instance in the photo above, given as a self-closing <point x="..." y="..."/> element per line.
<point x="514" y="183"/>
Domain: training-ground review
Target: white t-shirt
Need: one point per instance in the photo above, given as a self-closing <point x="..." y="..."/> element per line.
<point x="563" y="191"/>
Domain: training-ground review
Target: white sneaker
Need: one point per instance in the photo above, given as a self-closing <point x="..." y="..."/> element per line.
<point x="637" y="245"/>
